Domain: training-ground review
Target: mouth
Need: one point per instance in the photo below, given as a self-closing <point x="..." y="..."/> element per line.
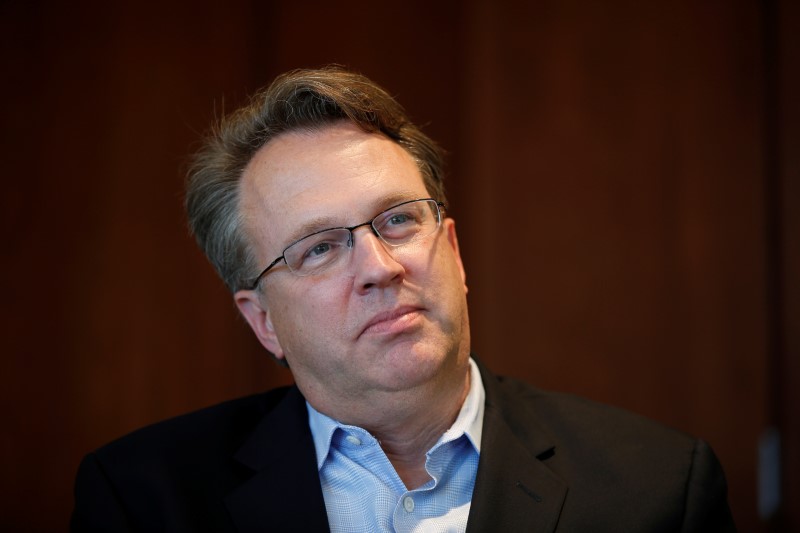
<point x="392" y="322"/>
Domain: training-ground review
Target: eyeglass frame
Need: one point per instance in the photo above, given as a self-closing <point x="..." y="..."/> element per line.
<point x="439" y="208"/>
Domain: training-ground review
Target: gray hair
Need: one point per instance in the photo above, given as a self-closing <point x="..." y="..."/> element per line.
<point x="297" y="100"/>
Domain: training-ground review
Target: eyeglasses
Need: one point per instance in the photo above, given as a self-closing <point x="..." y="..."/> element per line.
<point x="402" y="224"/>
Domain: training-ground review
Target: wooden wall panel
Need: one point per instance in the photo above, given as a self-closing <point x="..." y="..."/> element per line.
<point x="620" y="250"/>
<point x="784" y="143"/>
<point x="111" y="317"/>
<point x="607" y="177"/>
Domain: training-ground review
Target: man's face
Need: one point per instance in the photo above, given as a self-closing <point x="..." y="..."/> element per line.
<point x="388" y="319"/>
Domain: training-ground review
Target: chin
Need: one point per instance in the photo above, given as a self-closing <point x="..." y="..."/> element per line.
<point x="408" y="367"/>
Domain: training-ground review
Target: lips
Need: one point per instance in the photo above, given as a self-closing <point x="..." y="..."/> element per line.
<point x="394" y="321"/>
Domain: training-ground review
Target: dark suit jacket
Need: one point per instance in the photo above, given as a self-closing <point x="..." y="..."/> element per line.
<point x="549" y="462"/>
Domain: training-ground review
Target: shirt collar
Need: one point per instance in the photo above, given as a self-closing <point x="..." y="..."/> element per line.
<point x="469" y="421"/>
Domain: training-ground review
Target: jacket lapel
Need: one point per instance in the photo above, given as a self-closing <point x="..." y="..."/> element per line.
<point x="284" y="494"/>
<point x="514" y="489"/>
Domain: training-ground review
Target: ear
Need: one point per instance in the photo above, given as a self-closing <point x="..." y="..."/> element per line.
<point x="253" y="307"/>
<point x="452" y="240"/>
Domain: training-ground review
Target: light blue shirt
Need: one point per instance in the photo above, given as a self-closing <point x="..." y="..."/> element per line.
<point x="363" y="492"/>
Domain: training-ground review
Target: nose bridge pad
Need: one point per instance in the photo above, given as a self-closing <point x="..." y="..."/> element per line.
<point x="377" y="235"/>
<point x="385" y="247"/>
<point x="351" y="241"/>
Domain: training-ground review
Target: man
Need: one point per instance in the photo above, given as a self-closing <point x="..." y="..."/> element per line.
<point x="323" y="210"/>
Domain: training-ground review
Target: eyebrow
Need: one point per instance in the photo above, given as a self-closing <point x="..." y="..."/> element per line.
<point x="326" y="222"/>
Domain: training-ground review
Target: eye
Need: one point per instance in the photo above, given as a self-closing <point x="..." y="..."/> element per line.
<point x="319" y="249"/>
<point x="398" y="219"/>
<point x="400" y="225"/>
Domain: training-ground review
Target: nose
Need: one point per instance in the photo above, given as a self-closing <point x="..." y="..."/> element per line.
<point x="373" y="262"/>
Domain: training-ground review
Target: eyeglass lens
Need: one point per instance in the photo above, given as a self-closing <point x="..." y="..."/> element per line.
<point x="396" y="226"/>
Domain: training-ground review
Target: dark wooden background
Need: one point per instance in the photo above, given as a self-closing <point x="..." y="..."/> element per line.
<point x="624" y="175"/>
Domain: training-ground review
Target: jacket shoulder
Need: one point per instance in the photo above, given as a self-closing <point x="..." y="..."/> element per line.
<point x="612" y="460"/>
<point x="571" y="419"/>
<point x="219" y="428"/>
<point x="175" y="474"/>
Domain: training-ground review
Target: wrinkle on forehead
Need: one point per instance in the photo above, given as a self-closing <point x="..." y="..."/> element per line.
<point x="289" y="189"/>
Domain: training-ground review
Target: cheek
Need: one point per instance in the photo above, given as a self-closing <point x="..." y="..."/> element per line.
<point x="447" y="266"/>
<point x="450" y="278"/>
<point x="309" y="316"/>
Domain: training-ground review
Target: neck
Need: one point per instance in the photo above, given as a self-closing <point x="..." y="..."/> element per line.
<point x="408" y="424"/>
<point x="406" y="445"/>
<point x="406" y="440"/>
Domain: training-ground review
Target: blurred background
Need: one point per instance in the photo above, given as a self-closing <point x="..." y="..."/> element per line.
<point x="625" y="177"/>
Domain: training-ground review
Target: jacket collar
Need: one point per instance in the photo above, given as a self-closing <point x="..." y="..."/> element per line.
<point x="284" y="494"/>
<point x="514" y="488"/>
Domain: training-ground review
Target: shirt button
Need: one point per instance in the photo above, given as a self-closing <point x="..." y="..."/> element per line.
<point x="352" y="439"/>
<point x="408" y="504"/>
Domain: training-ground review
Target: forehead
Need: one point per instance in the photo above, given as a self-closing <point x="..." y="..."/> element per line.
<point x="328" y="177"/>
